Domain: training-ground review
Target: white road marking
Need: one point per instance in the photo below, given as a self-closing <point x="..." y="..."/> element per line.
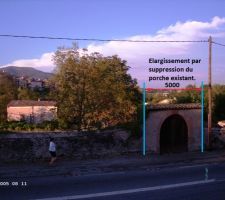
<point x="104" y="174"/>
<point x="192" y="166"/>
<point x="119" y="192"/>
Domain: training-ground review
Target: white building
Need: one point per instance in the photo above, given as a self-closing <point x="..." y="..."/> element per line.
<point x="31" y="111"/>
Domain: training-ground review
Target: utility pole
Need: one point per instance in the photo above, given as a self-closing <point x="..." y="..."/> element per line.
<point x="210" y="93"/>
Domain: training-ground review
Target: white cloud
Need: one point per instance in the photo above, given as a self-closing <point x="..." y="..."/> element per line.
<point x="43" y="63"/>
<point x="190" y="30"/>
<point x="137" y="54"/>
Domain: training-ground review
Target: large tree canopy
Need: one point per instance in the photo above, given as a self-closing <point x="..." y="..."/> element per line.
<point x="8" y="92"/>
<point x="94" y="91"/>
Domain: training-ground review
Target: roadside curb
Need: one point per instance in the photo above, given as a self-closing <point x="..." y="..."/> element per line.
<point x="100" y="167"/>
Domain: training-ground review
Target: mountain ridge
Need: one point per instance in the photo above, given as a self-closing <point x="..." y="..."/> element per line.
<point x="26" y="72"/>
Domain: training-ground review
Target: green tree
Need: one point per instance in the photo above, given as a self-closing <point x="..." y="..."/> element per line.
<point x="94" y="91"/>
<point x="219" y="107"/>
<point x="218" y="93"/>
<point x="8" y="92"/>
<point x="28" y="94"/>
<point x="187" y="96"/>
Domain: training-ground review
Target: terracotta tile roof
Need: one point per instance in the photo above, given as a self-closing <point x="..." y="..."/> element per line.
<point x="23" y="103"/>
<point x="186" y="106"/>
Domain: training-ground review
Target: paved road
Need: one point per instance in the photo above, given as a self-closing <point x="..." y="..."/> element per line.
<point x="183" y="182"/>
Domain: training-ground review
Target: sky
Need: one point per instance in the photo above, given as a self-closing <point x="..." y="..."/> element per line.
<point x="115" y="19"/>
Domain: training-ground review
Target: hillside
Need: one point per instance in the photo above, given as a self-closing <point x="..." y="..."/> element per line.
<point x="26" y="71"/>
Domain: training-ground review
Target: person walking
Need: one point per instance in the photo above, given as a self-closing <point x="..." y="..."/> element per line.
<point x="52" y="151"/>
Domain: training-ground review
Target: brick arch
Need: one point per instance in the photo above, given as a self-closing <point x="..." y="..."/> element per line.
<point x="156" y="118"/>
<point x="170" y="140"/>
<point x="166" y="115"/>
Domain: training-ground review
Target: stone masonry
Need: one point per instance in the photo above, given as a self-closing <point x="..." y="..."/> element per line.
<point x="32" y="146"/>
<point x="157" y="114"/>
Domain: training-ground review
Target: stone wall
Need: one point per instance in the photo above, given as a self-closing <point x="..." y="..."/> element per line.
<point x="34" y="146"/>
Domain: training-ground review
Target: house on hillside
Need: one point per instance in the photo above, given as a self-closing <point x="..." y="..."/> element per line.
<point x="36" y="84"/>
<point x="31" y="111"/>
<point x="21" y="82"/>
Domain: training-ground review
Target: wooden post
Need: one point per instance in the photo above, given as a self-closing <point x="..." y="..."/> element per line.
<point x="210" y="93"/>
